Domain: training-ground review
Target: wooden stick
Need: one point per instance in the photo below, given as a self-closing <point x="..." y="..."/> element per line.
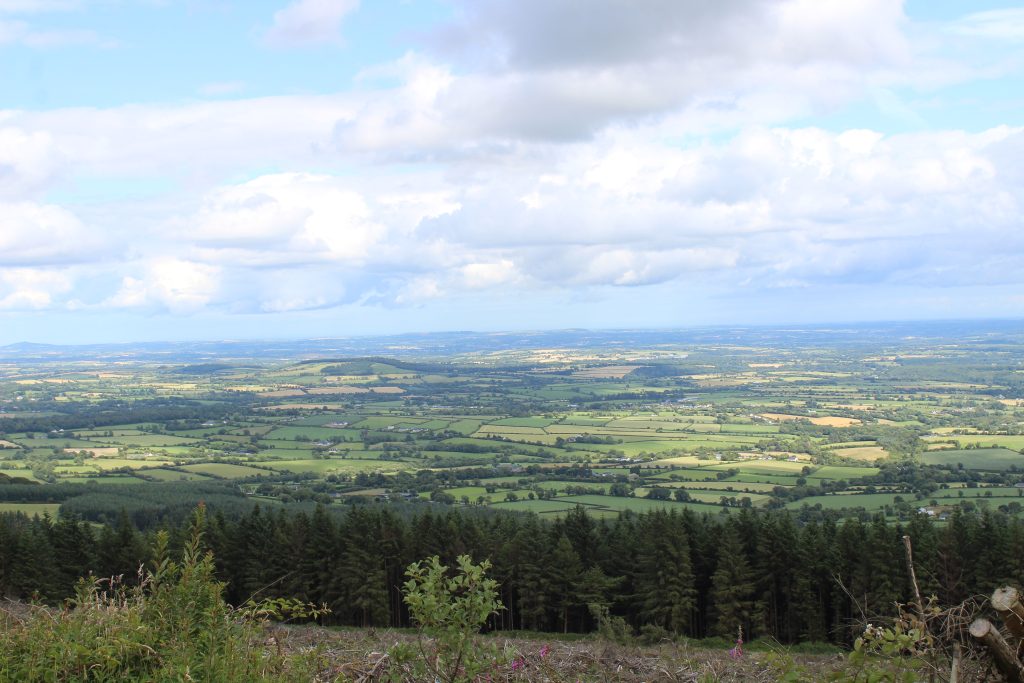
<point x="954" y="669"/>
<point x="1006" y="600"/>
<point x="913" y="577"/>
<point x="1003" y="655"/>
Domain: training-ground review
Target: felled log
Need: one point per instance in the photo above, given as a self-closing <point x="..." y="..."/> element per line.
<point x="1004" y="656"/>
<point x="1006" y="601"/>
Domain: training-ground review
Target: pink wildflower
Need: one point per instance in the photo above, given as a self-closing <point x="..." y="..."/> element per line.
<point x="544" y="651"/>
<point x="737" y="651"/>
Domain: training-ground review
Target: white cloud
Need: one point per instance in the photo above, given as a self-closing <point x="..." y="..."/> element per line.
<point x="289" y="216"/>
<point x="31" y="288"/>
<point x="39" y="234"/>
<point x="419" y="290"/>
<point x="536" y="70"/>
<point x="1005" y="24"/>
<point x="484" y="275"/>
<point x="231" y="136"/>
<point x="305" y="22"/>
<point x="28" y="161"/>
<point x="169" y="284"/>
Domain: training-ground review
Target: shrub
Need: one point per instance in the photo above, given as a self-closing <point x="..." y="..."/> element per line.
<point x="172" y="625"/>
<point x="450" y="610"/>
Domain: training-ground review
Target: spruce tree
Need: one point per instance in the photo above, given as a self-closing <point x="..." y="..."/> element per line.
<point x="732" y="587"/>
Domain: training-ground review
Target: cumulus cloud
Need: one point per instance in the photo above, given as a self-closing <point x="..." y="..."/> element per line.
<point x="31" y="288"/>
<point x="311" y="217"/>
<point x="170" y="284"/>
<point x="544" y="71"/>
<point x="40" y="234"/>
<point x="305" y="22"/>
<point x="555" y="34"/>
<point x="29" y="161"/>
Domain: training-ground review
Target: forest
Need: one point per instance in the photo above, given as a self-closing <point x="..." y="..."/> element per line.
<point x="661" y="573"/>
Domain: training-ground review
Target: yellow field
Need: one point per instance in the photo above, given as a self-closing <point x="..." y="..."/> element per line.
<point x="782" y="455"/>
<point x="607" y="372"/>
<point x="282" y="393"/>
<point x="684" y="461"/>
<point x="114" y="463"/>
<point x="8" y="444"/>
<point x="865" y="453"/>
<point x="833" y="421"/>
<point x="97" y="452"/>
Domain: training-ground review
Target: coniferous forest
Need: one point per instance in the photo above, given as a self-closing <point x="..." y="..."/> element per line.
<point x="677" y="573"/>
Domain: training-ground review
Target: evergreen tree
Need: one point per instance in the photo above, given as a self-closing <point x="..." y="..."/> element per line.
<point x="732" y="587"/>
<point x="664" y="582"/>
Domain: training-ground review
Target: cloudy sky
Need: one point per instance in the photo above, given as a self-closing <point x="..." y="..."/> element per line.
<point x="185" y="169"/>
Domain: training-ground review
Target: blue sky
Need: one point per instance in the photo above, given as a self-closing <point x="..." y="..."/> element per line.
<point x="193" y="169"/>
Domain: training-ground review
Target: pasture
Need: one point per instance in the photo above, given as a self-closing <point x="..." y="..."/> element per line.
<point x="990" y="459"/>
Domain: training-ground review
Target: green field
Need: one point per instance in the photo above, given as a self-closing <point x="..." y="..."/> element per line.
<point x="224" y="470"/>
<point x="1015" y="442"/>
<point x="31" y="509"/>
<point x="158" y="474"/>
<point x="992" y="459"/>
<point x="868" y="501"/>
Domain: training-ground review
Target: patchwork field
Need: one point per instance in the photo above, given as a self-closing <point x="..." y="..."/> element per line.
<point x="722" y="425"/>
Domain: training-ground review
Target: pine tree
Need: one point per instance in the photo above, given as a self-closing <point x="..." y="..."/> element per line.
<point x="664" y="583"/>
<point x="564" y="569"/>
<point x="732" y="586"/>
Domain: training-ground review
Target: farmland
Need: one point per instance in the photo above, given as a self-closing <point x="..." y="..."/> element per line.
<point x="812" y="424"/>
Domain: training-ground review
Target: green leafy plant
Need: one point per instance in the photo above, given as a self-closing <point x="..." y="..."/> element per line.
<point x="450" y="609"/>
<point x="887" y="654"/>
<point x="171" y="625"/>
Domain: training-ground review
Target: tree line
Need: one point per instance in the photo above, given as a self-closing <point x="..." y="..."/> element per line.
<point x="660" y="572"/>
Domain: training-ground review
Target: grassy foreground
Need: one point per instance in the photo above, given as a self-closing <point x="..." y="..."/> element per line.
<point x="309" y="653"/>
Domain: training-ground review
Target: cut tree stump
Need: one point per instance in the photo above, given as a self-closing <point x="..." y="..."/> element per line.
<point x="1004" y="656"/>
<point x="1007" y="601"/>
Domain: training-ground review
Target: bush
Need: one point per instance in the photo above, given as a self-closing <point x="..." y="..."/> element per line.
<point x="173" y="625"/>
<point x="450" y="610"/>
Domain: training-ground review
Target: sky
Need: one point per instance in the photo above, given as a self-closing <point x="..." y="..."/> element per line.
<point x="214" y="169"/>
